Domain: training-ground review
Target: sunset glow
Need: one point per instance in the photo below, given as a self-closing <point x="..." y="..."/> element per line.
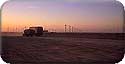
<point x="106" y="16"/>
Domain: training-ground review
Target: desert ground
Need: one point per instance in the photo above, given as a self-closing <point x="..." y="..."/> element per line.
<point x="62" y="49"/>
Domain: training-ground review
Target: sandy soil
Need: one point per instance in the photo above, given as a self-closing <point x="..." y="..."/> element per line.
<point x="61" y="49"/>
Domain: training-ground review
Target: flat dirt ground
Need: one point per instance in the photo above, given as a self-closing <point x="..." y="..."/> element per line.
<point x="61" y="49"/>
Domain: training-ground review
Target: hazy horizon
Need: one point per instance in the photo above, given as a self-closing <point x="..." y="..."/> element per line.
<point x="86" y="16"/>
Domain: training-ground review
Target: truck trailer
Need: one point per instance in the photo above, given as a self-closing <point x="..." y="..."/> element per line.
<point x="33" y="31"/>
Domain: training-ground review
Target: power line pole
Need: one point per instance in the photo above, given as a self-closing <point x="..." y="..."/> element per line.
<point x="16" y="29"/>
<point x="65" y="27"/>
<point x="8" y="29"/>
<point x="72" y="28"/>
<point x="69" y="28"/>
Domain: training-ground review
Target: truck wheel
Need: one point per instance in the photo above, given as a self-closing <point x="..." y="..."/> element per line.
<point x="23" y="34"/>
<point x="31" y="35"/>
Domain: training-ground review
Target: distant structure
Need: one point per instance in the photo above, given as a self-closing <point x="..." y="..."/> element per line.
<point x="69" y="28"/>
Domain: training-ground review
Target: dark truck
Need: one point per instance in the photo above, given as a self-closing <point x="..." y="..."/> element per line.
<point x="33" y="31"/>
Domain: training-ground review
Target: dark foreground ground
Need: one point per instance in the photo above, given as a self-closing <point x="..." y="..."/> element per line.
<point x="36" y="50"/>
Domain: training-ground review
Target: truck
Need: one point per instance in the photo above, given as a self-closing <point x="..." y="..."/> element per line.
<point x="33" y="31"/>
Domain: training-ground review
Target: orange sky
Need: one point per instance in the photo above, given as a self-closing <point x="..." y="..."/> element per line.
<point x="95" y="17"/>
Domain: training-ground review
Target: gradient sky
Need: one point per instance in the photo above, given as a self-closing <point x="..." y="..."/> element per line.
<point x="85" y="15"/>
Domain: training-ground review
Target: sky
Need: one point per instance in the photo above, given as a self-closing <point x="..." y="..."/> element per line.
<point x="83" y="15"/>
